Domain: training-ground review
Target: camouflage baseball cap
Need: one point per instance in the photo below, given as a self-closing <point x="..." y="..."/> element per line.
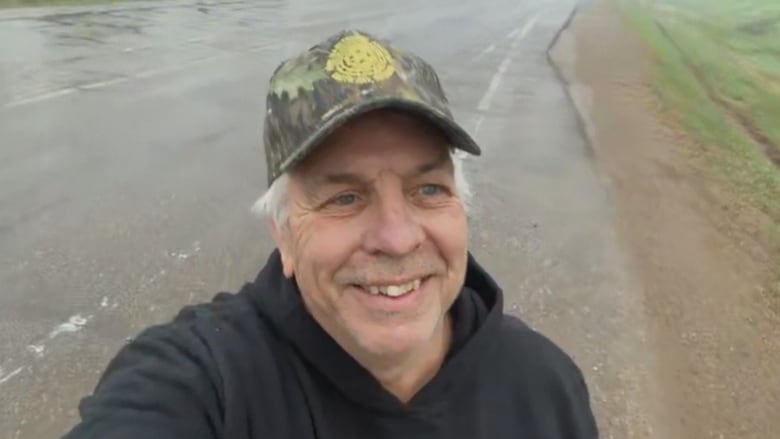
<point x="348" y="74"/>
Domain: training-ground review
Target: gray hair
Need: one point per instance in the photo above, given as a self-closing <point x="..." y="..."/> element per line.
<point x="273" y="203"/>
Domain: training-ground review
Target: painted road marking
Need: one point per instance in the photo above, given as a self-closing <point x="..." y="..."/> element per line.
<point x="141" y="75"/>
<point x="103" y="84"/>
<point x="41" y="97"/>
<point x="74" y="324"/>
<point x="487" y="99"/>
<point x="3" y="379"/>
<point x="488" y="49"/>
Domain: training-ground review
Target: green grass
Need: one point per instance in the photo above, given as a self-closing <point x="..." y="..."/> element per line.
<point x="730" y="71"/>
<point x="31" y="3"/>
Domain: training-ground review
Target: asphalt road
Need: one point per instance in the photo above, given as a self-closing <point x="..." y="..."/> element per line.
<point x="130" y="153"/>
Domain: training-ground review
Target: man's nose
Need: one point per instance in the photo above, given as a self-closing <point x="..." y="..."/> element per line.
<point x="395" y="229"/>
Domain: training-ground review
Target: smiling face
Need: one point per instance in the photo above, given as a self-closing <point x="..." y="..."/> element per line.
<point x="376" y="235"/>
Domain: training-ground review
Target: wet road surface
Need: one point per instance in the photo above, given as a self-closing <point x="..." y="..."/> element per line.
<point x="130" y="153"/>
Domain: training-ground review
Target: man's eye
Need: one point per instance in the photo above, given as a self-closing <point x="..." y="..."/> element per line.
<point x="431" y="189"/>
<point x="345" y="199"/>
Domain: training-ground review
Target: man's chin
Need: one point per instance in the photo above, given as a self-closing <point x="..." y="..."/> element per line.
<point x="395" y="341"/>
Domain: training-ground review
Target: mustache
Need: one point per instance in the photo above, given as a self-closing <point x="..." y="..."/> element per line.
<point x="387" y="269"/>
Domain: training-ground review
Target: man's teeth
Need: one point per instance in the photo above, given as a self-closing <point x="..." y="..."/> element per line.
<point x="394" y="290"/>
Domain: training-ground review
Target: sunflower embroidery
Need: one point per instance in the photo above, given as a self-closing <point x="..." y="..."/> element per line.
<point x="358" y="60"/>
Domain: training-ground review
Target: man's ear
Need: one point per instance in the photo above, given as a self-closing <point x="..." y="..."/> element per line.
<point x="281" y="235"/>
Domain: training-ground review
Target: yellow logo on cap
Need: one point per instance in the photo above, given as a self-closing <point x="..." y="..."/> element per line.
<point x="358" y="60"/>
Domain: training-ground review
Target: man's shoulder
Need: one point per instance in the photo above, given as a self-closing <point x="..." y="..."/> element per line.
<point x="225" y="308"/>
<point x="229" y="320"/>
<point x="544" y="381"/>
<point x="180" y="375"/>
<point x="527" y="350"/>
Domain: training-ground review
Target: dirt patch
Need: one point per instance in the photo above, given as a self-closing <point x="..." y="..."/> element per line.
<point x="694" y="246"/>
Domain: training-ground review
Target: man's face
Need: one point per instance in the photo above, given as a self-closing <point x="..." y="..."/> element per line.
<point x="377" y="237"/>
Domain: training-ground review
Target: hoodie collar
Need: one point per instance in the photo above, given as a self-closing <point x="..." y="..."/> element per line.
<point x="476" y="314"/>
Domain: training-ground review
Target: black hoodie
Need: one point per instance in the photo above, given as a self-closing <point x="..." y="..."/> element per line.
<point x="255" y="365"/>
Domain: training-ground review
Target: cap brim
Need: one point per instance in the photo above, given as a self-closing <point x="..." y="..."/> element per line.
<point x="457" y="136"/>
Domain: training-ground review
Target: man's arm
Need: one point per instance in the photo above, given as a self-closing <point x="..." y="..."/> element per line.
<point x="556" y="386"/>
<point x="162" y="385"/>
<point x="580" y="423"/>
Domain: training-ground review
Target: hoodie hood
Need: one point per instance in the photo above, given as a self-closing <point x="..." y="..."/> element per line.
<point x="476" y="315"/>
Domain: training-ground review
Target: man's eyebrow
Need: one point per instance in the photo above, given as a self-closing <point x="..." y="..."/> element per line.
<point x="439" y="163"/>
<point x="315" y="185"/>
<point x="346" y="178"/>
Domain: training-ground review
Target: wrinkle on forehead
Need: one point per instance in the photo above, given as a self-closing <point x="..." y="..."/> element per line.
<point x="342" y="159"/>
<point x="372" y="125"/>
<point x="441" y="162"/>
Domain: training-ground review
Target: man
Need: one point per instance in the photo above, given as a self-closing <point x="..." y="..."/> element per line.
<point x="371" y="319"/>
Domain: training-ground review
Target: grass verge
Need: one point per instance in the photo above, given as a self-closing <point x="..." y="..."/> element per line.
<point x="719" y="75"/>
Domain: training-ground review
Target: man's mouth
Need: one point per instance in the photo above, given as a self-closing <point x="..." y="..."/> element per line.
<point x="397" y="290"/>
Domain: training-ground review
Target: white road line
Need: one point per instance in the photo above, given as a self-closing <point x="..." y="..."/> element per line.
<point x="141" y="75"/>
<point x="11" y="375"/>
<point x="102" y="84"/>
<point x="135" y="49"/>
<point x="528" y="27"/>
<point x="488" y="49"/>
<point x="487" y="98"/>
<point x="74" y="324"/>
<point x="484" y="103"/>
<point x="478" y="123"/>
<point x="41" y="97"/>
<point x="36" y="349"/>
